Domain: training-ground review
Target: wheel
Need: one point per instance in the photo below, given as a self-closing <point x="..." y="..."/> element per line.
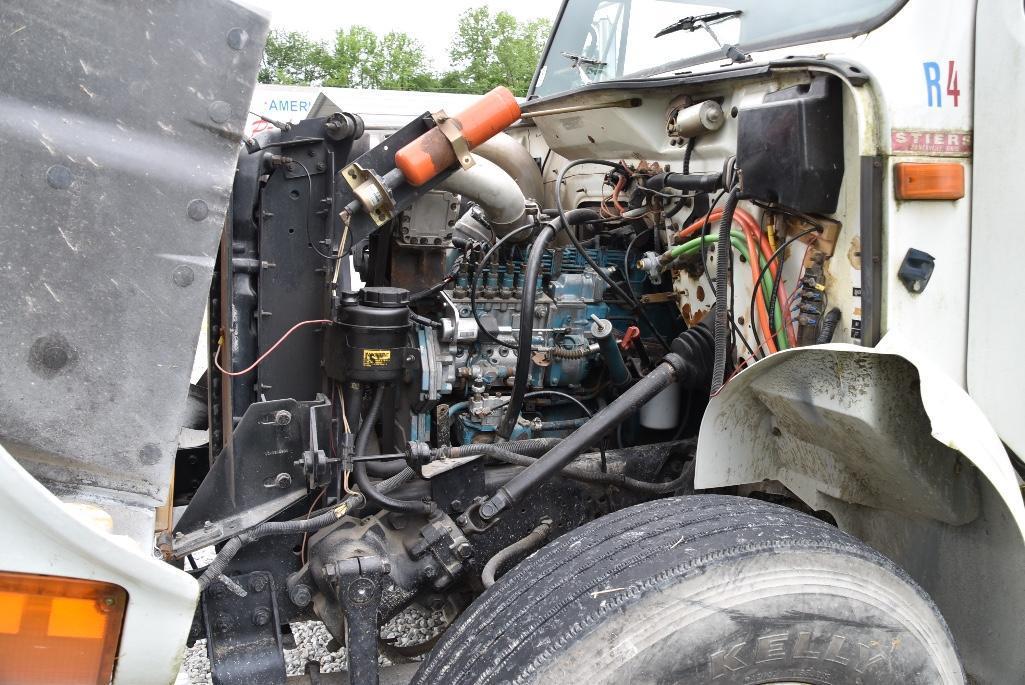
<point x="700" y="589"/>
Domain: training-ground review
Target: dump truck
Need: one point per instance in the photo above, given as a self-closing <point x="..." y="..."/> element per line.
<point x="693" y="366"/>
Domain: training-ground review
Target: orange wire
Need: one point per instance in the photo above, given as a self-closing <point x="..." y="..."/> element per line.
<point x="313" y="506"/>
<point x="747" y="224"/>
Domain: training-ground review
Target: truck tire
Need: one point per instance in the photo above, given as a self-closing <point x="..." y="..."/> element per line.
<point x="700" y="589"/>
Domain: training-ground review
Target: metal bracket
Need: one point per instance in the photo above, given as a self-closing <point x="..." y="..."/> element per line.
<point x="454" y="135"/>
<point x="371" y="191"/>
<point x="357" y="584"/>
<point x="243" y="634"/>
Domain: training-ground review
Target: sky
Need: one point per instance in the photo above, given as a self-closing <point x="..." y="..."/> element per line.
<point x="431" y="23"/>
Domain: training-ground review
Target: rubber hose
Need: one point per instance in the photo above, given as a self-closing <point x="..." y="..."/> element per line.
<point x="232" y="546"/>
<point x="311" y="525"/>
<point x="523" y="360"/>
<point x="384" y="469"/>
<point x="586" y="475"/>
<point x="829" y="324"/>
<point x="722" y="277"/>
<point x="528" y="543"/>
<point x="424" y="321"/>
<point x="359" y="468"/>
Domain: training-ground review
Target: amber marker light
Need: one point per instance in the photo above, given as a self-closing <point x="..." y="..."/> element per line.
<point x="928" y="180"/>
<point x="58" y="631"/>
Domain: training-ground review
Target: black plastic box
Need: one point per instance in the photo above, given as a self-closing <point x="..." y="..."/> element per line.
<point x="790" y="147"/>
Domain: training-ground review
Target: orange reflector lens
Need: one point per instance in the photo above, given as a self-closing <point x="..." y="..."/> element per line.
<point x="58" y="631"/>
<point x="928" y="180"/>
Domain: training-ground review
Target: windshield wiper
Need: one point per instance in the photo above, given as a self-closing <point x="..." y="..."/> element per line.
<point x="581" y="64"/>
<point x="704" y="21"/>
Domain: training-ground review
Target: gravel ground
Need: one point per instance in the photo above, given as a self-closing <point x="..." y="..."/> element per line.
<point x="411" y="627"/>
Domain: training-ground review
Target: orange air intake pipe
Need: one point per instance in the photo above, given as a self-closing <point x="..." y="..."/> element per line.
<point x="432" y="153"/>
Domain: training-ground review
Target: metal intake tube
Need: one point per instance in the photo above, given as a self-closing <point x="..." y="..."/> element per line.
<point x="514" y="159"/>
<point x="494" y="190"/>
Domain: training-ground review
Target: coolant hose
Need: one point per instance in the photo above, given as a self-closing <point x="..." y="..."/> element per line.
<point x="722" y="277"/>
<point x="529" y="543"/>
<point x="359" y="469"/>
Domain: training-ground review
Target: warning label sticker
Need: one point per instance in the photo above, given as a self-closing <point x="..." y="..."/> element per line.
<point x="939" y="143"/>
<point x="376" y="357"/>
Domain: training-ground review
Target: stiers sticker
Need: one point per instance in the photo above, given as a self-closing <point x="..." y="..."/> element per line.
<point x="940" y="143"/>
<point x="376" y="357"/>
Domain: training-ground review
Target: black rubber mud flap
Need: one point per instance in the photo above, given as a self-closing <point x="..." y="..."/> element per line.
<point x="700" y="589"/>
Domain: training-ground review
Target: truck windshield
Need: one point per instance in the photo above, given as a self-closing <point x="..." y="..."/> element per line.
<point x="601" y="40"/>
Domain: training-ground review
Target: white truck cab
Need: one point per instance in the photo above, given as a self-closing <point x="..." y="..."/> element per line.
<point x="812" y="478"/>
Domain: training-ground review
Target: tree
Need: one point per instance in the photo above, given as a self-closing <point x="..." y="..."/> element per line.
<point x="487" y="51"/>
<point x="355" y="62"/>
<point x="491" y="50"/>
<point x="403" y="65"/>
<point x="293" y="59"/>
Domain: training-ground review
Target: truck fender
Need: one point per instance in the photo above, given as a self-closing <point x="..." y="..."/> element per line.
<point x="902" y="458"/>
<point x="40" y="535"/>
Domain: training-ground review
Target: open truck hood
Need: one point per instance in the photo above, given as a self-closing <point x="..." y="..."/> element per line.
<point x="120" y="125"/>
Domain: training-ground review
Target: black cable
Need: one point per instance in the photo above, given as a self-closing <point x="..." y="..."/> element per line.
<point x="476" y="279"/>
<point x="434" y="289"/>
<point x="636" y="306"/>
<point x="555" y="393"/>
<point x="688" y="151"/>
<point x="565" y="396"/>
<point x="807" y="218"/>
<point x="309" y="207"/>
<point x="626" y="262"/>
<point x="770" y="260"/>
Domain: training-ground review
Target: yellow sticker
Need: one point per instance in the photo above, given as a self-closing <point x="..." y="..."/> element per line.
<point x="376" y="357"/>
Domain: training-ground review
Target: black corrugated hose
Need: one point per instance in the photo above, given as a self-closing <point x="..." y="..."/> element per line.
<point x="721" y="328"/>
<point x="829" y="324"/>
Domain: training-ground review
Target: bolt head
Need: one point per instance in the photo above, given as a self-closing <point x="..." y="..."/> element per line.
<point x="300" y="595"/>
<point x="464" y="550"/>
<point x="261" y="616"/>
<point x="258" y="584"/>
<point x="282" y="417"/>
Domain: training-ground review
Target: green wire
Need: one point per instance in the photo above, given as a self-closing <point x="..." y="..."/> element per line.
<point x="740" y="245"/>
